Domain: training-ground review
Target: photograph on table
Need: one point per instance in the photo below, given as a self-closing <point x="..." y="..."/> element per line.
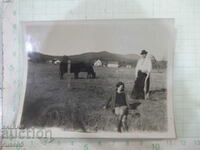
<point x="99" y="78"/>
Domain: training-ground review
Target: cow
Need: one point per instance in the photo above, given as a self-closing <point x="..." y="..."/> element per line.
<point x="76" y="68"/>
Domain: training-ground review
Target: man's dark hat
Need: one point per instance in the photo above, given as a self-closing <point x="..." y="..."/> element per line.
<point x="143" y="52"/>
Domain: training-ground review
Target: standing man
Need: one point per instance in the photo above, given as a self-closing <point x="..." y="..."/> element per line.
<point x="142" y="74"/>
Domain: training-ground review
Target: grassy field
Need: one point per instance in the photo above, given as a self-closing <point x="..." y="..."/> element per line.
<point x="76" y="104"/>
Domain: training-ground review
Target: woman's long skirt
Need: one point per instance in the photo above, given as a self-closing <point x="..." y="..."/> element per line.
<point x="138" y="88"/>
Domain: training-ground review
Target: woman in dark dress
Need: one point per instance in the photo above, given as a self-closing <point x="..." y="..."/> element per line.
<point x="118" y="102"/>
<point x="142" y="74"/>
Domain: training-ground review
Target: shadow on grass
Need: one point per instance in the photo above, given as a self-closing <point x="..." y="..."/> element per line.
<point x="155" y="91"/>
<point x="135" y="105"/>
<point x="48" y="113"/>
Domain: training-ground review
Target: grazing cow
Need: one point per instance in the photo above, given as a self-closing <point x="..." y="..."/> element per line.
<point x="76" y="68"/>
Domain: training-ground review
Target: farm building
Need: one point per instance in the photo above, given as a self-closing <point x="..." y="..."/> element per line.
<point x="50" y="61"/>
<point x="98" y="63"/>
<point x="128" y="66"/>
<point x="54" y="61"/>
<point x="57" y="62"/>
<point x="113" y="64"/>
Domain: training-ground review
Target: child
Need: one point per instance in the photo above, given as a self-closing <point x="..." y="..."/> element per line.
<point x="118" y="102"/>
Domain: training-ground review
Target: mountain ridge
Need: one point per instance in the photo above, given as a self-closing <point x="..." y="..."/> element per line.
<point x="91" y="57"/>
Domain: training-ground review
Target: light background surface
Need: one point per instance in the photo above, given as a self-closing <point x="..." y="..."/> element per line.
<point x="122" y="36"/>
<point x="186" y="56"/>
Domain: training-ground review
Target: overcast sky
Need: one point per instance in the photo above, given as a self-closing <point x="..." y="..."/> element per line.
<point x="117" y="36"/>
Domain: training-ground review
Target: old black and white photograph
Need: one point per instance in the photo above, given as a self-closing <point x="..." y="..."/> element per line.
<point x="99" y="78"/>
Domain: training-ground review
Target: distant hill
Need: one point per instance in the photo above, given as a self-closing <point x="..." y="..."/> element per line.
<point x="91" y="57"/>
<point x="104" y="57"/>
<point x="132" y="56"/>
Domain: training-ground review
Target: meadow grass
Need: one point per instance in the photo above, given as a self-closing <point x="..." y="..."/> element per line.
<point x="77" y="103"/>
